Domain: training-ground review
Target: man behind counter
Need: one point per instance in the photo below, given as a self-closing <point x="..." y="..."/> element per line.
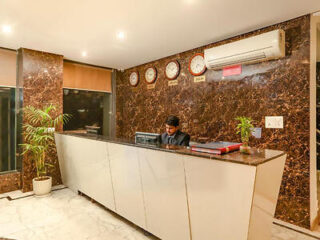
<point x="173" y="135"/>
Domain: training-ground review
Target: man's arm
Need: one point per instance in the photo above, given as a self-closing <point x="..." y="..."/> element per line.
<point x="163" y="138"/>
<point x="186" y="140"/>
<point x="160" y="141"/>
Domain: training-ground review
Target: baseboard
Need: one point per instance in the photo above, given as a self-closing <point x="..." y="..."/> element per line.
<point x="314" y="234"/>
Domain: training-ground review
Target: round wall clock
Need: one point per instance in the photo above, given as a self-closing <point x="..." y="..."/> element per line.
<point x="197" y="65"/>
<point x="134" y="78"/>
<point x="172" y="70"/>
<point x="151" y="75"/>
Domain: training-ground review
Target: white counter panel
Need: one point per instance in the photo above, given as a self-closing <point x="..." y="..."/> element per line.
<point x="67" y="148"/>
<point x="85" y="167"/>
<point x="266" y="191"/>
<point x="94" y="170"/>
<point x="220" y="196"/>
<point x="164" y="188"/>
<point x="127" y="184"/>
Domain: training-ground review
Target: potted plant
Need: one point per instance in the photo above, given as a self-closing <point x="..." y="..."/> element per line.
<point x="245" y="128"/>
<point x="39" y="140"/>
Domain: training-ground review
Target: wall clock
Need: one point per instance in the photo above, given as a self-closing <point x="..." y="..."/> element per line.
<point x="151" y="75"/>
<point x="172" y="70"/>
<point x="197" y="65"/>
<point x="134" y="78"/>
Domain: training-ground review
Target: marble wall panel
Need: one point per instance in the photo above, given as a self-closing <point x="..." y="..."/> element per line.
<point x="207" y="109"/>
<point x="40" y="77"/>
<point x="10" y="182"/>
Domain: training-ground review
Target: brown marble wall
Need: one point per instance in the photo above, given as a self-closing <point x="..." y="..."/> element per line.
<point x="208" y="109"/>
<point x="10" y="182"/>
<point x="40" y="77"/>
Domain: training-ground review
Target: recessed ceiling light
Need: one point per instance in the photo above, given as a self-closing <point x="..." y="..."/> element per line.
<point x="84" y="53"/>
<point x="121" y="35"/>
<point x="6" y="29"/>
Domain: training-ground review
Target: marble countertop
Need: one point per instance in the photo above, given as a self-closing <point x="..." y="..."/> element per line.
<point x="258" y="156"/>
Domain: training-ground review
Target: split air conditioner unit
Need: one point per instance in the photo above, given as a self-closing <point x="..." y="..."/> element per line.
<point x="266" y="46"/>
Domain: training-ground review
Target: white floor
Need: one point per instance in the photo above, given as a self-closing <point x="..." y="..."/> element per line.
<point x="66" y="215"/>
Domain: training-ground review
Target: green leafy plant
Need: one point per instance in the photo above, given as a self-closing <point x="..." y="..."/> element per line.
<point x="39" y="135"/>
<point x="244" y="127"/>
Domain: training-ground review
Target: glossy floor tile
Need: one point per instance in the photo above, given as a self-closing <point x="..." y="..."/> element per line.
<point x="62" y="215"/>
<point x="66" y="215"/>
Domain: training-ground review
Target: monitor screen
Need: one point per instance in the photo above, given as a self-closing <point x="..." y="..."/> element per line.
<point x="147" y="138"/>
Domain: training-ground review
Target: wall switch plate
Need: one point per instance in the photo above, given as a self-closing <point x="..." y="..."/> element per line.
<point x="274" y="121"/>
<point x="256" y="132"/>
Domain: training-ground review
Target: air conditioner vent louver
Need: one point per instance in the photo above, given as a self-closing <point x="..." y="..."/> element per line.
<point x="240" y="59"/>
<point x="258" y="48"/>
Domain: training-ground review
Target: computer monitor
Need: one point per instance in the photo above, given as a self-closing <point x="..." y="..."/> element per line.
<point x="147" y="138"/>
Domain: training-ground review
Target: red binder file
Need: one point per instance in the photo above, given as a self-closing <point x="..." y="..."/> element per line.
<point x="216" y="147"/>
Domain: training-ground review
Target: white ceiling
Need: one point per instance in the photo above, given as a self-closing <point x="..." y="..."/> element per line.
<point x="153" y="28"/>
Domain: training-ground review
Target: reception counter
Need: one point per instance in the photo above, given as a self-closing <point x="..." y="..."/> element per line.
<point x="175" y="193"/>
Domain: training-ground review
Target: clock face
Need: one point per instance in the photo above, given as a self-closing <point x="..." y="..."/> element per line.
<point x="197" y="65"/>
<point x="151" y="75"/>
<point x="172" y="70"/>
<point x="134" y="79"/>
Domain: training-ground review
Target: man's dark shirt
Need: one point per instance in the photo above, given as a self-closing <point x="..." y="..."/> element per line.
<point x="179" y="138"/>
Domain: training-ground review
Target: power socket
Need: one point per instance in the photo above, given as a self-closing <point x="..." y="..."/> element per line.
<point x="256" y="132"/>
<point x="274" y="121"/>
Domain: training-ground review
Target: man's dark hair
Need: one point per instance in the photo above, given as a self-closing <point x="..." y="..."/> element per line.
<point x="172" y="121"/>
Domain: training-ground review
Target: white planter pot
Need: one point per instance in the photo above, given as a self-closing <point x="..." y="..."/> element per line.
<point x="42" y="187"/>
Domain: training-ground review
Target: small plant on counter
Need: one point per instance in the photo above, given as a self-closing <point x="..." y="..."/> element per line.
<point x="245" y="128"/>
<point x="38" y="132"/>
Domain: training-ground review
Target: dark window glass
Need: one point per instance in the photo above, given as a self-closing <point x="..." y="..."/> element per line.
<point x="318" y="115"/>
<point x="7" y="129"/>
<point x="88" y="109"/>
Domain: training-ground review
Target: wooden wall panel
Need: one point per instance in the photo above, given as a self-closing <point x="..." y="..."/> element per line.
<point x="8" y="66"/>
<point x="86" y="77"/>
